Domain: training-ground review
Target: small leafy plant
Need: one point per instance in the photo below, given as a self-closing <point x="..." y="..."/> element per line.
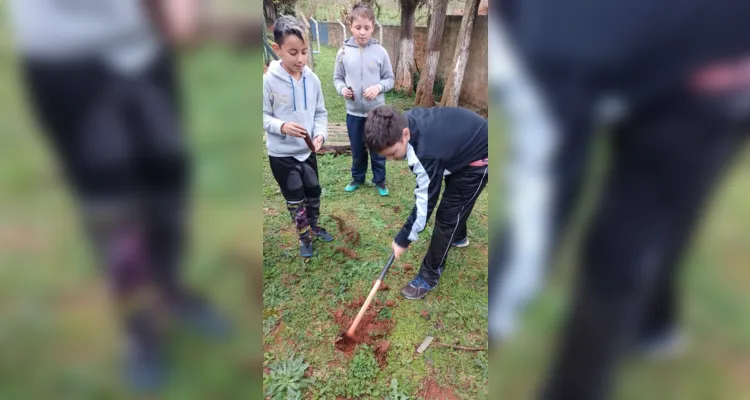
<point x="363" y="370"/>
<point x="394" y="392"/>
<point x="286" y="379"/>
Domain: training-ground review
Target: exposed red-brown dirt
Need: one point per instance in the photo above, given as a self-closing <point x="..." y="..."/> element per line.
<point x="349" y="235"/>
<point x="390" y="303"/>
<point x="431" y="391"/>
<point x="381" y="351"/>
<point x="347" y="252"/>
<point x="383" y="287"/>
<point x="370" y="331"/>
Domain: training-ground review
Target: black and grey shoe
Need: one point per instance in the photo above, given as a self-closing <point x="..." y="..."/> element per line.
<point x="416" y="289"/>
<point x="145" y="368"/>
<point x="306" y="247"/>
<point x="322" y="234"/>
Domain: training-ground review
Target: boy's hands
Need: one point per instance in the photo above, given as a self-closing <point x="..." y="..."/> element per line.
<point x="318" y="141"/>
<point x="397" y="250"/>
<point x="293" y="129"/>
<point x="372" y="92"/>
<point x="347" y="93"/>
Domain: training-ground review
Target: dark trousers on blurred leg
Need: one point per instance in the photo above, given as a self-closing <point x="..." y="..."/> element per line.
<point x="119" y="142"/>
<point x="665" y="161"/>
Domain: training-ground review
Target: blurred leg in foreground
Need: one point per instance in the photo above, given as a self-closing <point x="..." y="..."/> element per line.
<point x="102" y="84"/>
<point x="666" y="159"/>
<point x="517" y="259"/>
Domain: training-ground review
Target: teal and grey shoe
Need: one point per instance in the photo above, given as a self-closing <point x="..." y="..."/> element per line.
<point x="352" y="186"/>
<point x="382" y="189"/>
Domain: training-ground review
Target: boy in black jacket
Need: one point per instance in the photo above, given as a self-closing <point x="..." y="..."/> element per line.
<point x="438" y="143"/>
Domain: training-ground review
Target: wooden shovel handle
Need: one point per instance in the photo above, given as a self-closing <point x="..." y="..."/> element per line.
<point x="362" y="311"/>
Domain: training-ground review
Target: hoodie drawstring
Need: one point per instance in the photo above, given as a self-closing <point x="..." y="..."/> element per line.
<point x="294" y="97"/>
<point x="304" y="90"/>
<point x="304" y="93"/>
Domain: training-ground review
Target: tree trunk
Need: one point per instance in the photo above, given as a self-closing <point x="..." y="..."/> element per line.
<point x="425" y="96"/>
<point x="405" y="65"/>
<point x="269" y="11"/>
<point x="453" y="87"/>
<point x="309" y="34"/>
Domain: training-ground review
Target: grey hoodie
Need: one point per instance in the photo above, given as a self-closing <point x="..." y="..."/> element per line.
<point x="360" y="68"/>
<point x="286" y="99"/>
<point x="119" y="32"/>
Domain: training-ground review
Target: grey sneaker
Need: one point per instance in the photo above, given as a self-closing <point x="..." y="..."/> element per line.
<point x="668" y="344"/>
<point x="461" y="243"/>
<point x="416" y="289"/>
<point x="145" y="369"/>
<point x="322" y="234"/>
<point x="306" y="247"/>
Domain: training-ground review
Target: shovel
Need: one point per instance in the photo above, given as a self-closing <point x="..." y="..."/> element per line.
<point x="375" y="287"/>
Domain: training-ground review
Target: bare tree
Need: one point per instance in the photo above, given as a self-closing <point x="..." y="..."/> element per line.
<point x="405" y="65"/>
<point x="269" y="11"/>
<point x="302" y="16"/>
<point x="426" y="85"/>
<point x="452" y="90"/>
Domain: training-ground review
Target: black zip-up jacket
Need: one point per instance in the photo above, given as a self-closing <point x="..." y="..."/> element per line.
<point x="639" y="48"/>
<point x="443" y="140"/>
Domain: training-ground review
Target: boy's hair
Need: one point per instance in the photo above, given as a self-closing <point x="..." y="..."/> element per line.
<point x="361" y="10"/>
<point x="384" y="127"/>
<point x="285" y="26"/>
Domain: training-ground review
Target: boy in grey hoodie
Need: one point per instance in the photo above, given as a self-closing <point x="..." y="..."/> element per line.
<point x="363" y="73"/>
<point x="295" y="121"/>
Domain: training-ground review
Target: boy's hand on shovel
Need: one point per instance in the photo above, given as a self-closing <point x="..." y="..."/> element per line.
<point x="397" y="250"/>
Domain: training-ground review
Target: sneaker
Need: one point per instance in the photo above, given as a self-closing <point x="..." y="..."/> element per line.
<point x="198" y="316"/>
<point x="382" y="189"/>
<point x="352" y="186"/>
<point x="461" y="243"/>
<point x="322" y="234"/>
<point x="664" y="345"/>
<point x="145" y="369"/>
<point x="416" y="289"/>
<point x="306" y="248"/>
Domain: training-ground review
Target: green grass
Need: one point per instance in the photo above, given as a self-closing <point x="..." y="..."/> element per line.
<point x="58" y="337"/>
<point x="300" y="298"/>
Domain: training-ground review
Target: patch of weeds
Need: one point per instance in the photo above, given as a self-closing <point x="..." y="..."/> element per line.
<point x="267" y="358"/>
<point x="274" y="295"/>
<point x="346" y="275"/>
<point x="465" y="314"/>
<point x="394" y="393"/>
<point x="482" y="363"/>
<point x="363" y="369"/>
<point x="286" y="379"/>
<point x="269" y="324"/>
<point x="385" y="313"/>
<point x="334" y="385"/>
<point x="377" y="223"/>
<point x="349" y="273"/>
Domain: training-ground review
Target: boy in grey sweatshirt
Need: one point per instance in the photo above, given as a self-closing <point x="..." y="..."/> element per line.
<point x="295" y="121"/>
<point x="363" y="73"/>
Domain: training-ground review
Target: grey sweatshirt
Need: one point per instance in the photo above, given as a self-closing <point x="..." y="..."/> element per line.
<point x="286" y="99"/>
<point x="119" y="32"/>
<point x="360" y="68"/>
